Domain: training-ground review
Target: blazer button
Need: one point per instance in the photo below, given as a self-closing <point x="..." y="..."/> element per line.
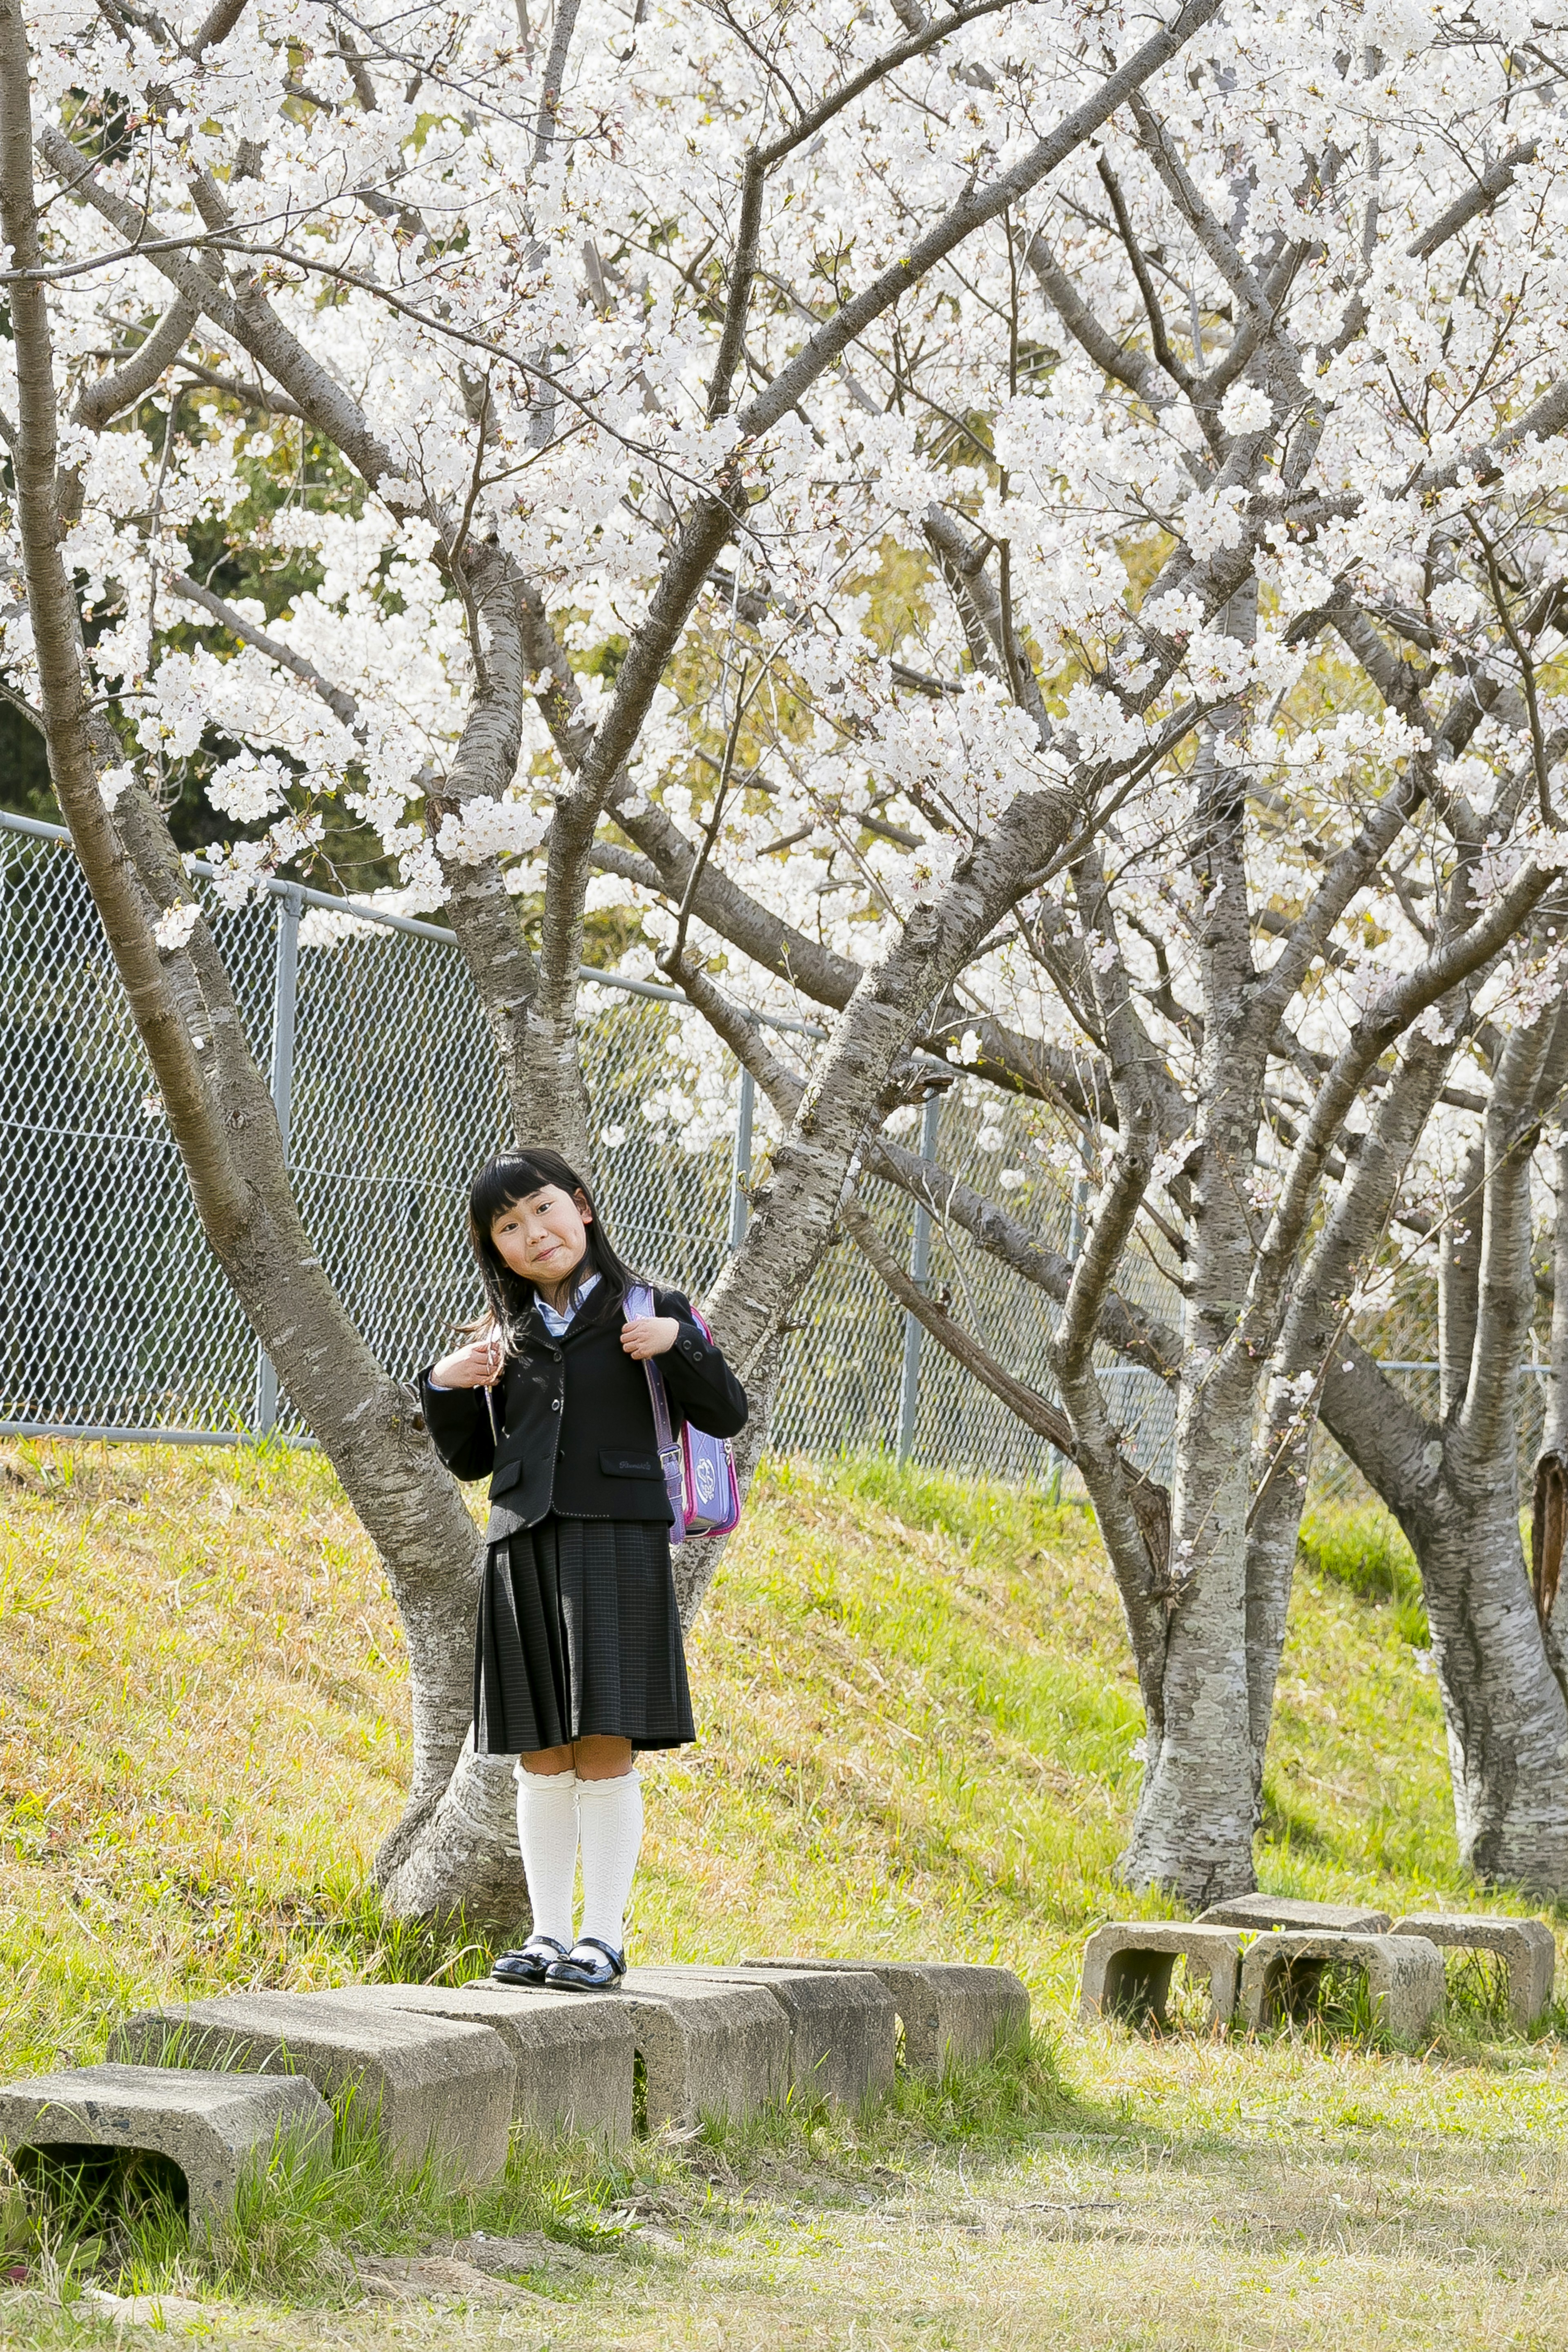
<point x="555" y="1404"/>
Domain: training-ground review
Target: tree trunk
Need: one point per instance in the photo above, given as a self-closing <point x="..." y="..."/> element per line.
<point x="1281" y="1464"/>
<point x="1506" y="1716"/>
<point x="1454" y="1487"/>
<point x="218" y="1107"/>
<point x="1192" y="1834"/>
<point x="1549" y="1514"/>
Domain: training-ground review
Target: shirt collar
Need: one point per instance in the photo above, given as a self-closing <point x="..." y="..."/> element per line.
<point x="556" y="1321"/>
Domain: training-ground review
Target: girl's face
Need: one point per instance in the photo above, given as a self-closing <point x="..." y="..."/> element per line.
<point x="543" y="1237"/>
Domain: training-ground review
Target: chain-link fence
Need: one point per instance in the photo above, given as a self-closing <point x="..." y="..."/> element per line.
<point x="116" y="1321"/>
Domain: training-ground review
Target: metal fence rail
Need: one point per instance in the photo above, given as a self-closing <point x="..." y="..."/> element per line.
<point x="115" y="1321"/>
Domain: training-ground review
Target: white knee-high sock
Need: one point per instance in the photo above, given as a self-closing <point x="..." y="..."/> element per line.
<point x="611" y="1812"/>
<point x="547" y="1834"/>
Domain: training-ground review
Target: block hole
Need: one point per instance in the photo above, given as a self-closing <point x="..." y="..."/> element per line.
<point x="97" y="2193"/>
<point x="1158" y="1992"/>
<point x="1332" y="1996"/>
<point x="639" y="2096"/>
<point x="1478" y="1988"/>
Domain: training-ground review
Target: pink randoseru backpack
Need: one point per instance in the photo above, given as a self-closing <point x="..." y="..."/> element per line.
<point x="699" y="1470"/>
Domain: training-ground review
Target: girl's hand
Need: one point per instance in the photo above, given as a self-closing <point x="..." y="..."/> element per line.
<point x="649" y="1335"/>
<point x="473" y="1366"/>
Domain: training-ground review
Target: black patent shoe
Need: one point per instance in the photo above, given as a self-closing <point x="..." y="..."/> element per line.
<point x="532" y="1964"/>
<point x="591" y="1966"/>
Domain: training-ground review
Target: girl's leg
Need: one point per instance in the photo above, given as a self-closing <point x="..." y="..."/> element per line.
<point x="610" y="1807"/>
<point x="547" y="1835"/>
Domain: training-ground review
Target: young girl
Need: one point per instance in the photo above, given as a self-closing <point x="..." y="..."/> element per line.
<point x="579" y="1659"/>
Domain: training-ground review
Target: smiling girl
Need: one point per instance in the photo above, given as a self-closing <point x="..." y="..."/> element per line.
<point x="578" y="1660"/>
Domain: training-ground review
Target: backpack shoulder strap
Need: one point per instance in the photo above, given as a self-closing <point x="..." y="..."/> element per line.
<point x="638" y="1302"/>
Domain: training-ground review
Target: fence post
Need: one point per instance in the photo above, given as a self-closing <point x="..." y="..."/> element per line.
<point x="919" y="1271"/>
<point x="285" y="991"/>
<point x="1074" y="1243"/>
<point x="740" y="1172"/>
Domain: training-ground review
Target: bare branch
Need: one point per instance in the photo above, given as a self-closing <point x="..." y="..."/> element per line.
<point x="1493" y="182"/>
<point x="1154" y="309"/>
<point x="1134" y="1334"/>
<point x="1036" y="1413"/>
<point x="341" y="705"/>
<point x="1397" y="1004"/>
<point x="1121" y="360"/>
<point x="217" y="25"/>
<point x="97" y="403"/>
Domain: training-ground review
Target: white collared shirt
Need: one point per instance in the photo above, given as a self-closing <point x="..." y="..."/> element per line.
<point x="556" y="1320"/>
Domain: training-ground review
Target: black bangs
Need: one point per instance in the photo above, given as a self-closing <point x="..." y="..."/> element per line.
<point x="505" y="1181"/>
<point x="514" y="1176"/>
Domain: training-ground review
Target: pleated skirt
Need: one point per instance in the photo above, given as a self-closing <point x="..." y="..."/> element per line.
<point x="580" y="1633"/>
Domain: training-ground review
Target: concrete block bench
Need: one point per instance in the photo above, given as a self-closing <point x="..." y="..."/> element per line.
<point x="1128" y="1966"/>
<point x="708" y="2048"/>
<point x="432" y="2087"/>
<point x="843" y="2030"/>
<point x="1526" y="1947"/>
<point x="1403" y="1974"/>
<point x="574" y="2054"/>
<point x="953" y="2012"/>
<point x="1266" y="1911"/>
<point x="210" y="2128"/>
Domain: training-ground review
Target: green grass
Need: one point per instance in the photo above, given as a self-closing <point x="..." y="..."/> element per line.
<point x="1365" y="1549"/>
<point x="917" y="1719"/>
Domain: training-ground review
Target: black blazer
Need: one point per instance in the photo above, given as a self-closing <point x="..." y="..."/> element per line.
<point x="576" y="1423"/>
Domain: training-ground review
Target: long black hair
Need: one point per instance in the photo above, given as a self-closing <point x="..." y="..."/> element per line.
<point x="506" y="1178"/>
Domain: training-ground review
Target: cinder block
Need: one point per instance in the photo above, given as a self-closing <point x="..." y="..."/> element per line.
<point x="1403" y="1974"/>
<point x="953" y="2012"/>
<point x="708" y="2048"/>
<point x="212" y="2126"/>
<point x="1527" y="1947"/>
<point x="574" y="2053"/>
<point x="1128" y="1964"/>
<point x="843" y="2030"/>
<point x="1266" y="1911"/>
<point x="432" y="2087"/>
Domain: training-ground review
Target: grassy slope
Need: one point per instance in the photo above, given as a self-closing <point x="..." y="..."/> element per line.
<point x="917" y="1737"/>
<point x="917" y="1713"/>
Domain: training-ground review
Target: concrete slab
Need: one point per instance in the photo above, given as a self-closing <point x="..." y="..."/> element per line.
<point x="211" y="2126"/>
<point x="574" y="2054"/>
<point x="1128" y="1966"/>
<point x="1403" y="1974"/>
<point x="843" y="2029"/>
<point x="708" y="2048"/>
<point x="1527" y="1947"/>
<point x="433" y="2088"/>
<point x="1266" y="1911"/>
<point x="953" y="2012"/>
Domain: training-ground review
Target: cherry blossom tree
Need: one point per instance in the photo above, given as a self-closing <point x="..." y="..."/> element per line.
<point x="1403" y="524"/>
<point x="1026" y="532"/>
<point x="1265" y="984"/>
<point x="518" y="318"/>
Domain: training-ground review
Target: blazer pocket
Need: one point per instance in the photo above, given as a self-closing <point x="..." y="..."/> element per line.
<point x="617" y="1461"/>
<point x="507" y="1473"/>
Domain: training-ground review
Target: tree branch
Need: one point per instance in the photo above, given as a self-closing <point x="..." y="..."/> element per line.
<point x="97" y="403"/>
<point x="1493" y="182"/>
<point x="341" y="705"/>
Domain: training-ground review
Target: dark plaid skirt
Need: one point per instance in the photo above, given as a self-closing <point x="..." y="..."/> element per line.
<point x="579" y="1633"/>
